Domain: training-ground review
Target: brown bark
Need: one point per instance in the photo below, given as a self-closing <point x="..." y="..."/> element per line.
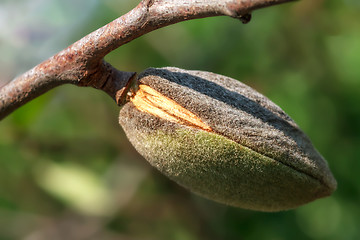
<point x="82" y="63"/>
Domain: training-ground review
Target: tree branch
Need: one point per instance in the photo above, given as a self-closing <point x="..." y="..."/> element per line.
<point x="82" y="63"/>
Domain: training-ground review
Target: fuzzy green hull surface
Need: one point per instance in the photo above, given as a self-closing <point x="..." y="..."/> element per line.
<point x="224" y="171"/>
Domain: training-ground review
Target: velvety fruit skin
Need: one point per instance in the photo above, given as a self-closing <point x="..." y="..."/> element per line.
<point x="254" y="156"/>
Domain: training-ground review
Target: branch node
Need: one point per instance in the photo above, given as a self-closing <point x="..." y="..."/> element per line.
<point x="245" y="18"/>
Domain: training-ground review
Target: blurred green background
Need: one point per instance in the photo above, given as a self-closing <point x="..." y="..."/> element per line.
<point x="68" y="172"/>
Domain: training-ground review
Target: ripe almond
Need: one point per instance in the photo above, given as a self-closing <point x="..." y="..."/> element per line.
<point x="223" y="140"/>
